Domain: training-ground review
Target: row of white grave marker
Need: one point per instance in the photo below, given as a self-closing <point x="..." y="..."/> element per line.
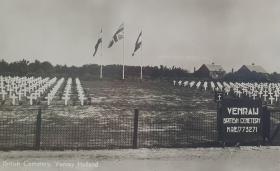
<point x="41" y="90"/>
<point x="264" y="91"/>
<point x="54" y="90"/>
<point x="67" y="91"/>
<point x="20" y="89"/>
<point x="80" y="90"/>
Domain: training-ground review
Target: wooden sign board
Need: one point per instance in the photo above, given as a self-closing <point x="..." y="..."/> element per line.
<point x="240" y="120"/>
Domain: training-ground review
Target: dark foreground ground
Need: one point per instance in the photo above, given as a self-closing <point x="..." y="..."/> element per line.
<point x="212" y="159"/>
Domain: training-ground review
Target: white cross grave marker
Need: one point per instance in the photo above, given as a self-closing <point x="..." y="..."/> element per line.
<point x="219" y="97"/>
<point x="264" y="97"/>
<point x="239" y="93"/>
<point x="180" y="83"/>
<point x="276" y="95"/>
<point x="271" y="98"/>
<point x="66" y="98"/>
<point x="260" y="94"/>
<point x="31" y="98"/>
<point x="20" y="95"/>
<point x="82" y="98"/>
<point x="254" y="96"/>
<point x="3" y="93"/>
<point x="205" y="85"/>
<point x="185" y="83"/>
<point x="14" y="97"/>
<point x="49" y="98"/>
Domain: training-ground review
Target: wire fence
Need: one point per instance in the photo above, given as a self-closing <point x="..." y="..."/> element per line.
<point x="87" y="133"/>
<point x="274" y="126"/>
<point x="58" y="130"/>
<point x="194" y="130"/>
<point x="17" y="134"/>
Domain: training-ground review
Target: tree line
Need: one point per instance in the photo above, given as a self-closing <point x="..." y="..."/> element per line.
<point x="92" y="72"/>
<point x="89" y="71"/>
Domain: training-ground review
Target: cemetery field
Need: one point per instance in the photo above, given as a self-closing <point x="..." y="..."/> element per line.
<point x="116" y="98"/>
<point x="168" y="116"/>
<point x="147" y="96"/>
<point x="68" y="114"/>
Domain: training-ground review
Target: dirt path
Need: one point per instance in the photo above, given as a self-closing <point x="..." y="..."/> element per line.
<point x="244" y="158"/>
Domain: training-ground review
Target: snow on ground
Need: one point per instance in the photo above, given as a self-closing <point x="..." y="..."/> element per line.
<point x="244" y="158"/>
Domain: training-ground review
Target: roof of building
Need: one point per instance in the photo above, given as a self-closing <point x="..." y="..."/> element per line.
<point x="214" y="67"/>
<point x="255" y="68"/>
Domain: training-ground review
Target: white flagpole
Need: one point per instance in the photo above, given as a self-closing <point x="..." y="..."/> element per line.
<point x="141" y="57"/>
<point x="123" y="56"/>
<point x="101" y="74"/>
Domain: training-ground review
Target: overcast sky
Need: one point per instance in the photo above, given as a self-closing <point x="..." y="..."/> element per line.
<point x="185" y="33"/>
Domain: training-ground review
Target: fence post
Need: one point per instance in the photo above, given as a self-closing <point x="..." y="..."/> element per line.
<point x="135" y="131"/>
<point x="221" y="138"/>
<point x="219" y="122"/>
<point x="38" y="130"/>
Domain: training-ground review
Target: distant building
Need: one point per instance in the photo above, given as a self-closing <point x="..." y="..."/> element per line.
<point x="247" y="69"/>
<point x="210" y="71"/>
<point x="251" y="73"/>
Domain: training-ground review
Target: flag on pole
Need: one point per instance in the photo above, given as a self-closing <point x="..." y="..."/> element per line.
<point x="117" y="36"/>
<point x="99" y="41"/>
<point x="138" y="43"/>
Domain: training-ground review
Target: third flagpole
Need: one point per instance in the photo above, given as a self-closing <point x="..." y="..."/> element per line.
<point x="141" y="57"/>
<point x="101" y="53"/>
<point x="123" y="56"/>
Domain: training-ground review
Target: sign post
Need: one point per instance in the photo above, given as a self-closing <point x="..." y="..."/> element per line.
<point x="218" y="99"/>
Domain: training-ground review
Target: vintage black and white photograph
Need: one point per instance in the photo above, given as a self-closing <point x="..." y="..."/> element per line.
<point x="142" y="85"/>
